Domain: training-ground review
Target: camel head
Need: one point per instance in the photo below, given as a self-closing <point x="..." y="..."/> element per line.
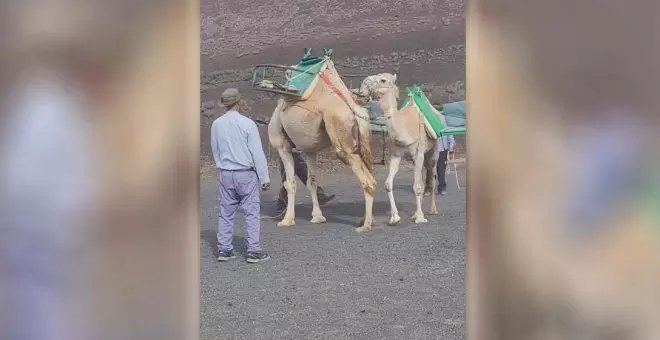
<point x="377" y="85"/>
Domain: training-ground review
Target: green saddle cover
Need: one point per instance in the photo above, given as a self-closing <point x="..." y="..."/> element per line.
<point x="302" y="80"/>
<point x="429" y="113"/>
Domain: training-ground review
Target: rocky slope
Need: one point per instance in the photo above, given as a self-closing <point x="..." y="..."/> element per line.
<point x="422" y="40"/>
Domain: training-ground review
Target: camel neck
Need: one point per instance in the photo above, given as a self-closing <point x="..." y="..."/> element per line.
<point x="388" y="105"/>
<point x="396" y="131"/>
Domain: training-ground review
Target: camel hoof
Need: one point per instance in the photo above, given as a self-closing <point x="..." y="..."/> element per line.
<point x="286" y="223"/>
<point x="318" y="219"/>
<point x="363" y="229"/>
<point x="433" y="211"/>
<point x="419" y="218"/>
<point x="395" y="219"/>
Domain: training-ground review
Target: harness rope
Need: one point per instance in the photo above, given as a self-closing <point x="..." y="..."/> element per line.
<point x="334" y="89"/>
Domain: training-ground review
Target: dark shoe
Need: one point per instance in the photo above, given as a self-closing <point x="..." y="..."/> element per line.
<point x="280" y="209"/>
<point x="225" y="256"/>
<point x="256" y="257"/>
<point x="324" y="199"/>
<point x="442" y="191"/>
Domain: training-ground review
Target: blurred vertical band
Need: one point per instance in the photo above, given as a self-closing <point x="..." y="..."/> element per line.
<point x="99" y="155"/>
<point x="562" y="110"/>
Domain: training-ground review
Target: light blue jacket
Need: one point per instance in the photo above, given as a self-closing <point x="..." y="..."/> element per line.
<point x="236" y="145"/>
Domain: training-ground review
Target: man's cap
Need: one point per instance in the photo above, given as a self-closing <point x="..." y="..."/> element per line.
<point x="230" y="97"/>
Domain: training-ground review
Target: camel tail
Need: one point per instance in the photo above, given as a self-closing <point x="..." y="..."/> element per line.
<point x="364" y="144"/>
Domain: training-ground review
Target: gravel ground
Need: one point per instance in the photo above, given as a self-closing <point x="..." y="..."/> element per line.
<point x="326" y="281"/>
<point x="329" y="282"/>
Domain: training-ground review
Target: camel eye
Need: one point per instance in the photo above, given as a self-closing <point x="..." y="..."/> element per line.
<point x="383" y="81"/>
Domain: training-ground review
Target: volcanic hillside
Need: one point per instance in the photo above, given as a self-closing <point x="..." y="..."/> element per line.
<point x="422" y="40"/>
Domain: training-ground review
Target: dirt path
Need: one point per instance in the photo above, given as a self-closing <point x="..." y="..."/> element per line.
<point x="328" y="282"/>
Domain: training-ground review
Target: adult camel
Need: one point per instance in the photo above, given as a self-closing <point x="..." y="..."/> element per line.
<point x="327" y="116"/>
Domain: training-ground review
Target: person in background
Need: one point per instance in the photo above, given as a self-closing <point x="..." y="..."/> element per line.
<point x="446" y="145"/>
<point x="376" y="112"/>
<point x="242" y="169"/>
<point x="300" y="168"/>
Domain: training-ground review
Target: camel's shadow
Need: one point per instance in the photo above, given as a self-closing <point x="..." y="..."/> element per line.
<point x="351" y="214"/>
<point x="211" y="239"/>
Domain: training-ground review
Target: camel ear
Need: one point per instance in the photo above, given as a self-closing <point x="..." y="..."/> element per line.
<point x="394" y="77"/>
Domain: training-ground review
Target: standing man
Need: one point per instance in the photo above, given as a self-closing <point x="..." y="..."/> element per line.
<point x="300" y="168"/>
<point x="446" y="144"/>
<point x="242" y="169"/>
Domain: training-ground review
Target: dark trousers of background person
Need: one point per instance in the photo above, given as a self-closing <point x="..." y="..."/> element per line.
<point x="442" y="168"/>
<point x="300" y="168"/>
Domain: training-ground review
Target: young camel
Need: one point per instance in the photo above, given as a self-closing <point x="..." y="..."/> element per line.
<point x="407" y="131"/>
<point x="329" y="117"/>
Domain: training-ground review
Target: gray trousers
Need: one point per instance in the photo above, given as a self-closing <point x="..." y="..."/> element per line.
<point x="300" y="168"/>
<point x="239" y="189"/>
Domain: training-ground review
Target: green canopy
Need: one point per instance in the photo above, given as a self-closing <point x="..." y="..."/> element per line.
<point x="454" y="113"/>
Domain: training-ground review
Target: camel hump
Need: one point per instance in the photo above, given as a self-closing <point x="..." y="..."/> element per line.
<point x="433" y="120"/>
<point x="436" y="122"/>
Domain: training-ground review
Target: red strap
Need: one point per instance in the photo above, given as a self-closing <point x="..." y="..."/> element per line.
<point x="334" y="88"/>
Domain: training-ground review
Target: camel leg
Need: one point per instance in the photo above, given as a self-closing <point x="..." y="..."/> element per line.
<point x="433" y="173"/>
<point x="290" y="186"/>
<point x="368" y="183"/>
<point x="431" y="162"/>
<point x="418" y="187"/>
<point x="366" y="178"/>
<point x="312" y="185"/>
<point x="428" y="188"/>
<point x="395" y="161"/>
